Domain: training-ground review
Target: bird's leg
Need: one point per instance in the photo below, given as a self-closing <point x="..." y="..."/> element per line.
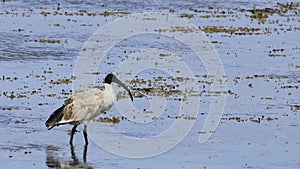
<point x="73" y="155"/>
<point x="85" y="134"/>
<point x="72" y="134"/>
<point x="84" y="153"/>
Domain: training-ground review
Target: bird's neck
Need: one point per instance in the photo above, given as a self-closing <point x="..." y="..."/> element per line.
<point x="110" y="91"/>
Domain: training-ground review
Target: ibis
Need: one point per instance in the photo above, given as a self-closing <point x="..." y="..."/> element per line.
<point x="85" y="106"/>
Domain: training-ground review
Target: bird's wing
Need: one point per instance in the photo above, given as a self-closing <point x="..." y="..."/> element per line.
<point x="55" y="118"/>
<point x="83" y="106"/>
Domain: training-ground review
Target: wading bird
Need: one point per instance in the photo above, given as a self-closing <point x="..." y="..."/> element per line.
<point x="84" y="106"/>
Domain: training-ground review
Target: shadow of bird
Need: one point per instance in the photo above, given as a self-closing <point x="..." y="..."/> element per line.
<point x="54" y="161"/>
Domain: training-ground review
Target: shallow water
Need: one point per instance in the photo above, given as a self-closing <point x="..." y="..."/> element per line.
<point x="41" y="41"/>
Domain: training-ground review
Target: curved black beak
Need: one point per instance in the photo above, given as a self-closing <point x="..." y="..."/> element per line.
<point x="116" y="80"/>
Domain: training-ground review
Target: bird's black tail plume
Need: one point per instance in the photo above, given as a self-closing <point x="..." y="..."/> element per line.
<point x="55" y="117"/>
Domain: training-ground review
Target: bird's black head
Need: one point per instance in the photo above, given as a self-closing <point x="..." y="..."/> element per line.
<point x="108" y="79"/>
<point x="112" y="78"/>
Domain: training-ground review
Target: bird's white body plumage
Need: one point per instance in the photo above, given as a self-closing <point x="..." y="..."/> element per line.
<point x="87" y="105"/>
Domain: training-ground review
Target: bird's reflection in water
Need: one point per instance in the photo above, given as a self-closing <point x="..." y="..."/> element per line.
<point x="54" y="161"/>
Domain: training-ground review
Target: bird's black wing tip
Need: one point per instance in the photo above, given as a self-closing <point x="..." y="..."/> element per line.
<point x="54" y="118"/>
<point x="49" y="127"/>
